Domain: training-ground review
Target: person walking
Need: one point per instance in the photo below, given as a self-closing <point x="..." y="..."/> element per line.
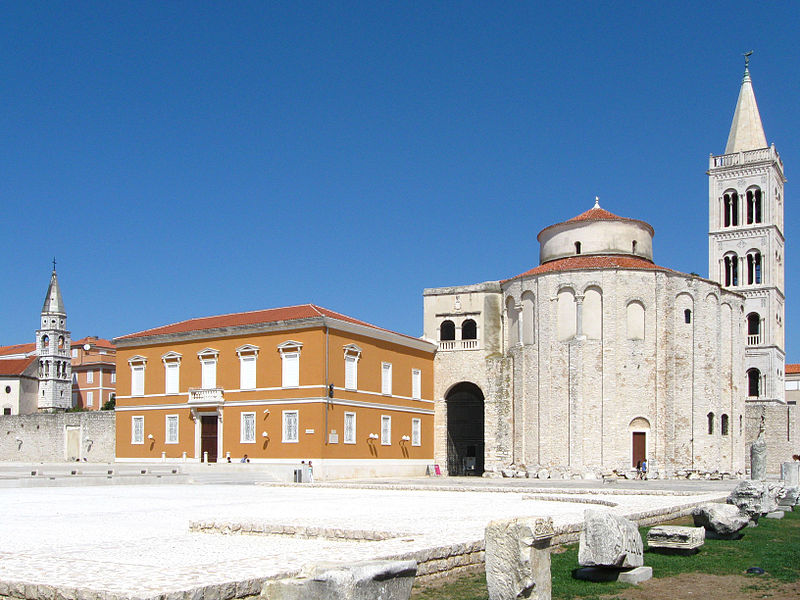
<point x="638" y="469"/>
<point x="310" y="473"/>
<point x="644" y="469"/>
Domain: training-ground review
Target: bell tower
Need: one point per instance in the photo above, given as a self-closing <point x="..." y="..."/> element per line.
<point x="746" y="242"/>
<point x="53" y="350"/>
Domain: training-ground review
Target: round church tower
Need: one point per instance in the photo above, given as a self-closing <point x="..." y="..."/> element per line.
<point x="596" y="232"/>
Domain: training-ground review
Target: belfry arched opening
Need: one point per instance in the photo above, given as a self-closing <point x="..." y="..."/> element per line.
<point x="465" y="443"/>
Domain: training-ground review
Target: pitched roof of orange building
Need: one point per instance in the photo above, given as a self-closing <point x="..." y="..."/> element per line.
<point x="256" y="317"/>
<point x="15" y="366"/>
<point x="95" y="341"/>
<point x="17" y="349"/>
<point x="792" y="369"/>
<point x="580" y="263"/>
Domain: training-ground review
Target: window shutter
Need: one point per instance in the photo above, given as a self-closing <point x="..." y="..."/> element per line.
<point x="386" y="378"/>
<point x="209" y="374"/>
<point x="350" y="373"/>
<point x="416" y="384"/>
<point x="137" y="381"/>
<point x="173" y="370"/>
<point x="248" y="373"/>
<point x="291" y="369"/>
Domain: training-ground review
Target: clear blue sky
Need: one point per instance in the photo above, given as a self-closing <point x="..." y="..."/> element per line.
<point x="198" y="158"/>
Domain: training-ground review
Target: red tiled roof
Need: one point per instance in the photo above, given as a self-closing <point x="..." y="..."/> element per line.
<point x="606" y="261"/>
<point x="17" y="349"/>
<point x="597" y="214"/>
<point x="15" y="366"/>
<point x="600" y="214"/>
<point x="95" y="341"/>
<point x="270" y="315"/>
<point x="792" y="369"/>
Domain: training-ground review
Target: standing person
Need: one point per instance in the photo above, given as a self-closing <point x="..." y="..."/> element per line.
<point x="638" y="469"/>
<point x="310" y="473"/>
<point x="644" y="469"/>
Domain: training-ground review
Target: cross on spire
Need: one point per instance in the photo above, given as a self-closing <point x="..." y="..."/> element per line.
<point x="54" y="263"/>
<point x="747" y="59"/>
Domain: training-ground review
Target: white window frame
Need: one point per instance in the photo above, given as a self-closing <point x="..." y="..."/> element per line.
<point x="349" y="439"/>
<point x="89" y="398"/>
<point x="248" y="377"/>
<point x="352" y="354"/>
<point x="284" y="436"/>
<point x="208" y="368"/>
<point x="386" y="378"/>
<point x="113" y="377"/>
<point x="416" y="384"/>
<point x="416" y="432"/>
<point x="137" y="439"/>
<point x="243" y="437"/>
<point x="74" y="353"/>
<point x="290" y="354"/>
<point x="172" y="360"/>
<point x="138" y="365"/>
<point x="89" y="376"/>
<point x="167" y="438"/>
<point x="386" y="430"/>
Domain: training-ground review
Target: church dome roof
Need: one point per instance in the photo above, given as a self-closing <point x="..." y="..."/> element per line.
<point x="596" y="232"/>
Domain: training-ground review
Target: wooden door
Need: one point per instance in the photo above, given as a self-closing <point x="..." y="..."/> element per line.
<point x="208" y="437"/>
<point x="639" y="447"/>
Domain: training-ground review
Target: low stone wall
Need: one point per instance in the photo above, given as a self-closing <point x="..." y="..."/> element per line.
<point x="58" y="437"/>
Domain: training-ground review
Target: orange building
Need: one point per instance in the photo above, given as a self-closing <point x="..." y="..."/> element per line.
<point x="280" y="386"/>
<point x="94" y="377"/>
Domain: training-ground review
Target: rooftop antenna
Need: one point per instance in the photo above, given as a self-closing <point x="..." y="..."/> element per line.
<point x="747" y="59"/>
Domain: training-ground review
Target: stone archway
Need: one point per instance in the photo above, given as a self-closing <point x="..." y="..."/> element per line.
<point x="465" y="421"/>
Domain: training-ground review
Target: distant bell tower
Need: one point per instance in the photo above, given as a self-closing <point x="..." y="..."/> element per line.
<point x="746" y="243"/>
<point x="53" y="350"/>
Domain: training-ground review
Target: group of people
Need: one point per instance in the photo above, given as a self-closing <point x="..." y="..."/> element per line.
<point x="641" y="469"/>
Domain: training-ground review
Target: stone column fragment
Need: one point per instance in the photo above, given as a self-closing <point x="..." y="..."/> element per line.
<point x="518" y="558"/>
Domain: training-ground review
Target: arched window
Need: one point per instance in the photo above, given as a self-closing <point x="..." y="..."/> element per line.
<point x="45" y="341"/>
<point x="753" y="383"/>
<point x="723" y="425"/>
<point x="687" y="316"/>
<point x="710" y="417"/>
<point x="447" y="331"/>
<point x="754" y="267"/>
<point x="528" y="333"/>
<point x="60" y="342"/>
<point x="740" y="424"/>
<point x="635" y="320"/>
<point x="593" y="313"/>
<point x="731" y="270"/>
<point x="513" y="321"/>
<point x="753" y="206"/>
<point x="731" y="208"/>
<point x="633" y="247"/>
<point x="567" y="316"/>
<point x="753" y="329"/>
<point x="469" y="330"/>
<point x="577" y="247"/>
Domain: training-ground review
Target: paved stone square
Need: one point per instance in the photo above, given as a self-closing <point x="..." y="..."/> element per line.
<point x="134" y="540"/>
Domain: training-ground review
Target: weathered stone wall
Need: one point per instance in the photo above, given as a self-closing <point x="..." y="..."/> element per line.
<point x="782" y="432"/>
<point x="58" y="437"/>
<point x="571" y="405"/>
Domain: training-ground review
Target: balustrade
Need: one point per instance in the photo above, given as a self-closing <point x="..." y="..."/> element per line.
<point x="458" y="345"/>
<point x="205" y="396"/>
<point x="754" y="340"/>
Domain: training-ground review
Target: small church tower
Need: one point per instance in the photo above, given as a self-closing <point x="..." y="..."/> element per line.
<point x="53" y="350"/>
<point x="746" y="242"/>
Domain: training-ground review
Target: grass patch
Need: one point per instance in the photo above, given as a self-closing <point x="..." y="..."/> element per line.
<point x="774" y="546"/>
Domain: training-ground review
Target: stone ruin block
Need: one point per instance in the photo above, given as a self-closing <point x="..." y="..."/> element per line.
<point x="790" y="473"/>
<point x="608" y="540"/>
<point x="669" y="538"/>
<point x="756" y="498"/>
<point x="721" y="521"/>
<point x="518" y="558"/>
<point x="790" y="497"/>
<point x="369" y="580"/>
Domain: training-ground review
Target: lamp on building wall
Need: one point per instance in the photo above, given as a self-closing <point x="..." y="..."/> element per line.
<point x="405" y="438"/>
<point x="264" y="434"/>
<point x="266" y="411"/>
<point x="150" y="436"/>
<point x="373" y="436"/>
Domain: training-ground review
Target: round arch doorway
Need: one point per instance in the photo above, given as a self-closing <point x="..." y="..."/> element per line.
<point x="465" y="443"/>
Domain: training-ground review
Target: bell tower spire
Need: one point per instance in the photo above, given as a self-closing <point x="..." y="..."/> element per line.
<point x="53" y="350"/>
<point x="746" y="241"/>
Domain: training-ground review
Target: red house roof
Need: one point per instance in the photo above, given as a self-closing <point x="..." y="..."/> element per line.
<point x="792" y="369"/>
<point x="599" y="214"/>
<point x="256" y="317"/>
<point x="17" y="349"/>
<point x="15" y="366"/>
<point x="94" y="341"/>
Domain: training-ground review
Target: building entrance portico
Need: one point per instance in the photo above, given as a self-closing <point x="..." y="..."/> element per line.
<point x="465" y="423"/>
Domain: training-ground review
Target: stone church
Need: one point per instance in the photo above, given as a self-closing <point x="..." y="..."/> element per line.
<point x="598" y="358"/>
